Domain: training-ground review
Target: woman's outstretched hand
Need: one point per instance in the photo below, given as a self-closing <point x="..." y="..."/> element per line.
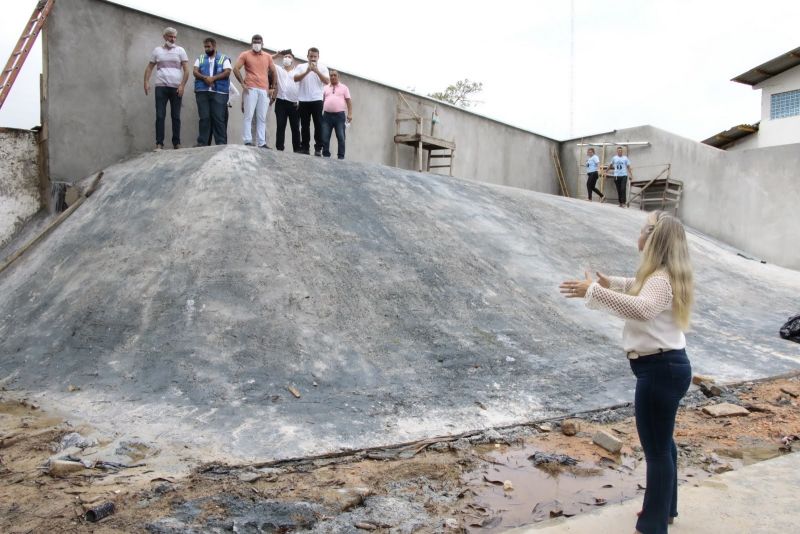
<point x="576" y="289"/>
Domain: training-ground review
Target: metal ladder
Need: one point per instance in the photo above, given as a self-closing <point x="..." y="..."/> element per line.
<point x="23" y="47"/>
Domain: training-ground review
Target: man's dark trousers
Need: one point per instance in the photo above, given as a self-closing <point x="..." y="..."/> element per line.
<point x="164" y="95"/>
<point x="287" y="110"/>
<point x="212" y="110"/>
<point x="333" y="122"/>
<point x="621" y="183"/>
<point x="310" y="111"/>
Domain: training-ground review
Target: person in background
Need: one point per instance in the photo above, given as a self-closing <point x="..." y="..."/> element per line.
<point x="172" y="73"/>
<point x="592" y="166"/>
<point x="286" y="102"/>
<point x="256" y="91"/>
<point x="656" y="305"/>
<point x="312" y="77"/>
<point x="622" y="169"/>
<point x="212" y="72"/>
<point x="337" y="111"/>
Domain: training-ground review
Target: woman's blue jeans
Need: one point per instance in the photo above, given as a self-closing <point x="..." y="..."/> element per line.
<point x="661" y="382"/>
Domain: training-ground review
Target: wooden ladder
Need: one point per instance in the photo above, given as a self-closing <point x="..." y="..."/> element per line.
<point x="562" y="182"/>
<point x="24" y="45"/>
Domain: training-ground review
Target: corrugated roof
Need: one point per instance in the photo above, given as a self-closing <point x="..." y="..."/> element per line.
<point x="771" y="68"/>
<point x="725" y="138"/>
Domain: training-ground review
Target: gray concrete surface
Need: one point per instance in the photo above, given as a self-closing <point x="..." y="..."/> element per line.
<point x="97" y="112"/>
<point x="195" y="286"/>
<point x="757" y="499"/>
<point x="19" y="180"/>
<point x="749" y="199"/>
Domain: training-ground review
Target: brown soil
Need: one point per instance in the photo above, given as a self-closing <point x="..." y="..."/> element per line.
<point x="472" y="477"/>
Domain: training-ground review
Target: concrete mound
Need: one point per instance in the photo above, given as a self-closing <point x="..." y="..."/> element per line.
<point x="199" y="292"/>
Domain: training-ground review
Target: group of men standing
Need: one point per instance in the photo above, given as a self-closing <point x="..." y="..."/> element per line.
<point x="302" y="94"/>
<point x="620" y="169"/>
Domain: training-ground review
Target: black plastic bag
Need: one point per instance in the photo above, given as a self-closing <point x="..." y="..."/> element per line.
<point x="791" y="330"/>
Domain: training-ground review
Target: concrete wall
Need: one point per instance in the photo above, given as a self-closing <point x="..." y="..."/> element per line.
<point x="97" y="113"/>
<point x="19" y="180"/>
<point x="785" y="130"/>
<point x="745" y="143"/>
<point x="749" y="199"/>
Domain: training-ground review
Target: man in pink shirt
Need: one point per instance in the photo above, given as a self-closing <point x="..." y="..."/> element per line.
<point x="172" y="73"/>
<point x="256" y="91"/>
<point x="337" y="111"/>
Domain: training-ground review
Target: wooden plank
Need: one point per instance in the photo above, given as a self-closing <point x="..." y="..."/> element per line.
<point x="54" y="224"/>
<point x="428" y="141"/>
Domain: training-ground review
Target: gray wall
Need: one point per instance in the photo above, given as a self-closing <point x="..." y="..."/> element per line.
<point x="19" y="180"/>
<point x="749" y="199"/>
<point x="96" y="111"/>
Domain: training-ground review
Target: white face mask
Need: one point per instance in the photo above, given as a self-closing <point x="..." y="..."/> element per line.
<point x="256" y="47"/>
<point x="287" y="62"/>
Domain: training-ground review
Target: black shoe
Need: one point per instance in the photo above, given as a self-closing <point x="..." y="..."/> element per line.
<point x="248" y="144"/>
<point x="264" y="146"/>
<point x="318" y="153"/>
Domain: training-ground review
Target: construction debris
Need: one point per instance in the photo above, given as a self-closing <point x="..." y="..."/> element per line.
<point x="607" y="441"/>
<point x="539" y="458"/>
<point x="485" y="483"/>
<point x="726" y="409"/>
<point x="712" y="390"/>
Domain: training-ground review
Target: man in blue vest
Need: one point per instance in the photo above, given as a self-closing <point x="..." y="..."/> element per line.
<point x="212" y="73"/>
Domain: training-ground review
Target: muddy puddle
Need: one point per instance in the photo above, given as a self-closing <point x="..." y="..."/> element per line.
<point x="509" y="491"/>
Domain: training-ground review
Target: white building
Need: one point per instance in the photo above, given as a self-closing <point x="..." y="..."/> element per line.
<point x="779" y="82"/>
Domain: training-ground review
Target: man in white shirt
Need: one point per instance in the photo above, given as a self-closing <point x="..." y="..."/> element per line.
<point x="286" y="101"/>
<point x="312" y="78"/>
<point x="621" y="167"/>
<point x="172" y="73"/>
<point x="212" y="73"/>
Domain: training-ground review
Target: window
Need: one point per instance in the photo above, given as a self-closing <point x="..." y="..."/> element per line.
<point x="784" y="105"/>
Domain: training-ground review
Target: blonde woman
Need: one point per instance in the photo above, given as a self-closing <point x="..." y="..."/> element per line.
<point x="655" y="305"/>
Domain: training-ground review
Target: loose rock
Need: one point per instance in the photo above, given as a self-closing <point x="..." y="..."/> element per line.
<point x="570" y="427"/>
<point x="607" y="441"/>
<point x="712" y="390"/>
<point x="725" y="409"/>
<point x="698" y="379"/>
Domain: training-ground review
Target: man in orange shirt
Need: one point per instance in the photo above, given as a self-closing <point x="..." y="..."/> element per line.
<point x="256" y="92"/>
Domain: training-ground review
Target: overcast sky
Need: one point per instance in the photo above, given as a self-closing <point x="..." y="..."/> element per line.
<point x="662" y="62"/>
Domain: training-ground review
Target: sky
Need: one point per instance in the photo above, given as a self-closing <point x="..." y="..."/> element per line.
<point x="613" y="65"/>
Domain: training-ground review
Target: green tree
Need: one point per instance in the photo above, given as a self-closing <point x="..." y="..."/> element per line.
<point x="460" y="94"/>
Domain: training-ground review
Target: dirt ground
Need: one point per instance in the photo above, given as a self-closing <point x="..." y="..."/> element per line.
<point x="479" y="482"/>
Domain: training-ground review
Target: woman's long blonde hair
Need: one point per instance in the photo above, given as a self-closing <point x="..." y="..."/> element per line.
<point x="666" y="248"/>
